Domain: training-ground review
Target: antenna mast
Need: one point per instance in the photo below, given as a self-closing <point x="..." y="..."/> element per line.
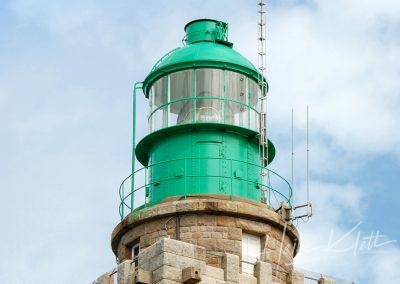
<point x="308" y="205"/>
<point x="263" y="87"/>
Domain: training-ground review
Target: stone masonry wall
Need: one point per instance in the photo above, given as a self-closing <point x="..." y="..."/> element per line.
<point x="217" y="231"/>
<point x="173" y="262"/>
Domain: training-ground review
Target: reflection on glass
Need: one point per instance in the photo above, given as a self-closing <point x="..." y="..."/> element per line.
<point x="210" y="83"/>
<point x="254" y="94"/>
<point x="204" y="95"/>
<point x="159" y="93"/>
<point x="205" y="110"/>
<point x="181" y="87"/>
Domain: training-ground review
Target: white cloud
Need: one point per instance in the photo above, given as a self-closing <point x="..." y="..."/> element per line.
<point x="337" y="237"/>
<point x="342" y="70"/>
<point x="385" y="266"/>
<point x="65" y="91"/>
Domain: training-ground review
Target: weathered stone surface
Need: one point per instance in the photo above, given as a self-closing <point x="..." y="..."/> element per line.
<point x="213" y="261"/>
<point x="188" y="220"/>
<point x="230" y="265"/>
<point x="166" y="208"/>
<point x="166" y="281"/>
<point x="133" y="235"/>
<point x="247" y="208"/>
<point x="167" y="272"/>
<point x="295" y="277"/>
<point x="324" y="280"/>
<point x="216" y="273"/>
<point x="206" y="220"/>
<point x="186" y="206"/>
<point x="146" y="241"/>
<point x="124" y="252"/>
<point x="210" y="244"/>
<point x="228" y="246"/>
<point x="210" y="280"/>
<point x="141" y="277"/>
<point x="263" y="272"/>
<point x="125" y="272"/>
<point x="247" y="279"/>
<point x="151" y="227"/>
<point x="171" y="259"/>
<point x="234" y="234"/>
<point x="214" y="224"/>
<point x="173" y="247"/>
<point x="230" y="206"/>
<point x="175" y="262"/>
<point x="191" y="275"/>
<point x="226" y="221"/>
<point x="251" y="226"/>
<point x="147" y="213"/>
<point x="106" y="278"/>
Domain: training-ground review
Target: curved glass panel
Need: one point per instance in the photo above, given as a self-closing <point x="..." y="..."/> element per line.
<point x="204" y="95"/>
<point x="209" y="84"/>
<point x="254" y="94"/>
<point x="236" y="93"/>
<point x="159" y="93"/>
<point x="181" y="87"/>
<point x="158" y="97"/>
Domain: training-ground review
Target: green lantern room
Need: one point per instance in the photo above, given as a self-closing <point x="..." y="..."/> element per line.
<point x="204" y="120"/>
<point x="206" y="126"/>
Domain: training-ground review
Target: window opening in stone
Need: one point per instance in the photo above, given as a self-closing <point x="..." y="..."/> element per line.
<point x="251" y="248"/>
<point x="135" y="254"/>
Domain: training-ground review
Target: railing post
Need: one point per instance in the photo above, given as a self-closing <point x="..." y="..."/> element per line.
<point x="269" y="190"/>
<point x="122" y="202"/>
<point x="186" y="170"/>
<point x="135" y="87"/>
<point x="146" y="185"/>
<point x="231" y="180"/>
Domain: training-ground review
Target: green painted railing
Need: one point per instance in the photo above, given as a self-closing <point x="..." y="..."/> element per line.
<point x="134" y="189"/>
<point x="163" y="58"/>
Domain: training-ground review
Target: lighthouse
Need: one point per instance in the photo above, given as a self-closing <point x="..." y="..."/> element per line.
<point x="204" y="207"/>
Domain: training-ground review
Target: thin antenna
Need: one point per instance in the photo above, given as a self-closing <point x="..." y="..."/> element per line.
<point x="308" y="159"/>
<point x="263" y="88"/>
<point x="261" y="48"/>
<point x="292" y="160"/>
<point x="308" y="205"/>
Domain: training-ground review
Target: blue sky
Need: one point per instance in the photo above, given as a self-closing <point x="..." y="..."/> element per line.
<point x="66" y="73"/>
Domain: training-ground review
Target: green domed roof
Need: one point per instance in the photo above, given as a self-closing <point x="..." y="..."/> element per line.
<point x="208" y="48"/>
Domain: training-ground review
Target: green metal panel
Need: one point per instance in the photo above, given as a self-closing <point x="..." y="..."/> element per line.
<point x="207" y="30"/>
<point x="145" y="146"/>
<point x="201" y="55"/>
<point x="203" y="161"/>
<point x="208" y="47"/>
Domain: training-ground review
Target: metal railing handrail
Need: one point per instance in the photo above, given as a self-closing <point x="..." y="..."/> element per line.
<point x="155" y="66"/>
<point x="134" y="189"/>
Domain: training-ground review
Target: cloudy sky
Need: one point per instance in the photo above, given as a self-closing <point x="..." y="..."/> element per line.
<point x="66" y="74"/>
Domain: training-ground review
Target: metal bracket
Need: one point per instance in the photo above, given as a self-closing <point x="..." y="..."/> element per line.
<point x="308" y="214"/>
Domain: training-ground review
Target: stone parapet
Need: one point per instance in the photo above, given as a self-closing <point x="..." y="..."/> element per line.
<point x="295" y="277"/>
<point x="214" y="224"/>
<point x="170" y="261"/>
<point x="324" y="280"/>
